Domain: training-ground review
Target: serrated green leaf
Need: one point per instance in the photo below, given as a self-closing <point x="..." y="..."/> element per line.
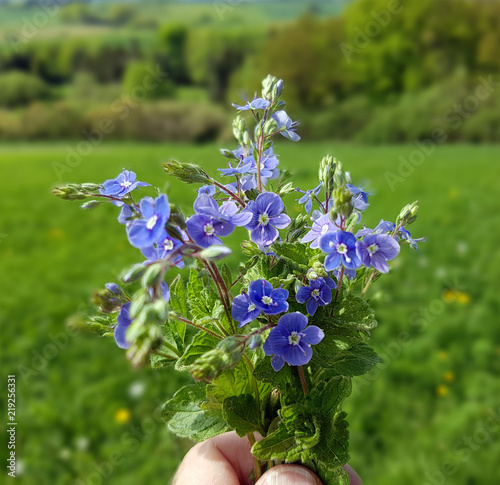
<point x="226" y="275"/>
<point x="354" y="361"/>
<point x="187" y="419"/>
<point x="327" y="397"/>
<point x="296" y="254"/>
<point x="332" y="475"/>
<point x="179" y="302"/>
<point x="333" y="447"/>
<point x="356" y="313"/>
<point x="264" y="372"/>
<point x="201" y="343"/>
<point x="233" y="382"/>
<point x="276" y="446"/>
<point x="242" y="414"/>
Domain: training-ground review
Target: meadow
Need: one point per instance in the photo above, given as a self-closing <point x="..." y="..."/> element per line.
<point x="429" y="415"/>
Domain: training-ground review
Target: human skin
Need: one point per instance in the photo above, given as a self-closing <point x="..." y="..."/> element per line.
<point x="226" y="460"/>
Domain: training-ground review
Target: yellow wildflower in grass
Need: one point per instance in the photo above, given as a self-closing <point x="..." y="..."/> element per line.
<point x="449" y="376"/>
<point x="463" y="298"/>
<point x="122" y="416"/>
<point x="449" y="296"/>
<point x="442" y="391"/>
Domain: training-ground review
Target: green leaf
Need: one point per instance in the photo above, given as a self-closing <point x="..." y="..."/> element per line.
<point x="332" y="475"/>
<point x="327" y="397"/>
<point x="276" y="446"/>
<point x="196" y="297"/>
<point x="201" y="343"/>
<point x="264" y="372"/>
<point x="355" y="313"/>
<point x="185" y="417"/>
<point x="354" y="361"/>
<point x="226" y="275"/>
<point x="333" y="447"/>
<point x="179" y="302"/>
<point x="242" y="414"/>
<point x="296" y="254"/>
<point x="233" y="382"/>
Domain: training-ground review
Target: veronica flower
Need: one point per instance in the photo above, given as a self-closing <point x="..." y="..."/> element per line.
<point x="266" y="219"/>
<point x="319" y="292"/>
<point x="123" y="321"/>
<point x="376" y="249"/>
<point x="308" y="197"/>
<point x="360" y="198"/>
<point x="208" y="189"/>
<point x="163" y="248"/>
<point x="286" y="126"/>
<point x="243" y="310"/>
<point x="207" y="230"/>
<point x="320" y="226"/>
<point x="244" y="167"/>
<point x="126" y="214"/>
<point x="144" y="232"/>
<point x="290" y="341"/>
<point x="340" y="248"/>
<point x="120" y="186"/>
<point x="228" y="212"/>
<point x="264" y="297"/>
<point x="384" y="227"/>
<point x="256" y="103"/>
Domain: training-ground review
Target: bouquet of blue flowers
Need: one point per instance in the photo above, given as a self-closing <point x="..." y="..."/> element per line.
<point x="273" y="344"/>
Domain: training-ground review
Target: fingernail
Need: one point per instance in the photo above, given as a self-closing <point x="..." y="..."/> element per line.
<point x="288" y="475"/>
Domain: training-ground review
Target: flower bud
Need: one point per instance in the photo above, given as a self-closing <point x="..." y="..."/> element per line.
<point x="186" y="172"/>
<point x="140" y="299"/>
<point x="153" y="276"/>
<point x="91" y="204"/>
<point x="255" y="341"/>
<point x="110" y="299"/>
<point x="408" y="214"/>
<point x="239" y="130"/>
<point x="133" y="273"/>
<point x="271" y="88"/>
<point x="214" y="253"/>
<point x="342" y="199"/>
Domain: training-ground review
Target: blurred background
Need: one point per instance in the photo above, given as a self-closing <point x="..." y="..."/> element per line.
<point x="405" y="93"/>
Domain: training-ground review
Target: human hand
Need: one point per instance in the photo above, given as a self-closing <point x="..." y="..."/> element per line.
<point x="226" y="460"/>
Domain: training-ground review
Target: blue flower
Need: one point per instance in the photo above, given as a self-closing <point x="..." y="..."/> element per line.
<point x="264" y="297"/>
<point x="290" y="341"/>
<point x="266" y="219"/>
<point x="122" y="185"/>
<point x="164" y="246"/>
<point x="123" y="321"/>
<point x="384" y="227"/>
<point x="360" y="198"/>
<point x="308" y="197"/>
<point x="207" y="189"/>
<point x="228" y="212"/>
<point x="286" y="126"/>
<point x="244" y="167"/>
<point x="243" y="310"/>
<point x="376" y="249"/>
<point x="207" y="230"/>
<point x="256" y="103"/>
<point x="144" y="232"/>
<point x="320" y="226"/>
<point x="126" y="214"/>
<point x="319" y="292"/>
<point x="340" y="248"/>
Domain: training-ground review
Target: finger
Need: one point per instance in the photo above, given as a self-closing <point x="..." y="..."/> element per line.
<point x="225" y="459"/>
<point x="355" y="480"/>
<point x="289" y="475"/>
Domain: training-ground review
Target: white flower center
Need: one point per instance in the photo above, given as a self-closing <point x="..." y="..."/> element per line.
<point x="341" y="248"/>
<point x="372" y="249"/>
<point x="294" y="339"/>
<point x="126" y="184"/>
<point x="168" y="245"/>
<point x="324" y="229"/>
<point x="251" y="307"/>
<point x="264" y="219"/>
<point x="267" y="300"/>
<point x="152" y="222"/>
<point x="315" y="294"/>
<point x="208" y="229"/>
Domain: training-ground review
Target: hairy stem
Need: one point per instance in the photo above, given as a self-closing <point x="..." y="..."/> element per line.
<point x="341" y="278"/>
<point x="199" y="327"/>
<point x="303" y="380"/>
<point x="368" y="283"/>
<point x="229" y="192"/>
<point x="256" y="464"/>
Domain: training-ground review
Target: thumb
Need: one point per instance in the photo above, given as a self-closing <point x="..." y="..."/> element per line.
<point x="289" y="475"/>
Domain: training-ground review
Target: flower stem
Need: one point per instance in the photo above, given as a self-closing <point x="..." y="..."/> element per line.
<point x="229" y="192"/>
<point x="199" y="327"/>
<point x="224" y="292"/>
<point x="341" y="278"/>
<point x="368" y="283"/>
<point x="166" y="356"/>
<point x="303" y="380"/>
<point x="256" y="464"/>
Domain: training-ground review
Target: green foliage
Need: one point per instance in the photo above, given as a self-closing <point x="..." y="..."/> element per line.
<point x="142" y="80"/>
<point x="18" y="88"/>
<point x="242" y="414"/>
<point x="186" y="418"/>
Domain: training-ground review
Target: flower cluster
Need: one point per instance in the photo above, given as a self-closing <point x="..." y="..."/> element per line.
<point x="297" y="297"/>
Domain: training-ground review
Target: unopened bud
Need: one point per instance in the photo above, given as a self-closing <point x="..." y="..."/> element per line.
<point x="91" y="204"/>
<point x="255" y="341"/>
<point x="153" y="276"/>
<point x="133" y="273"/>
<point x="408" y="214"/>
<point x="342" y="199"/>
<point x="186" y="172"/>
<point x="214" y="253"/>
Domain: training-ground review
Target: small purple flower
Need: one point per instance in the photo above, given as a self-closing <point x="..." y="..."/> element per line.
<point x="126" y="214"/>
<point x="376" y="249"/>
<point x="123" y="321"/>
<point x="264" y="297"/>
<point x="290" y="341"/>
<point x="286" y="125"/>
<point x="308" y="197"/>
<point x="163" y="248"/>
<point x="319" y="292"/>
<point x="256" y="103"/>
<point x="360" y="198"/>
<point x="384" y="227"/>
<point x="243" y="310"/>
<point x="349" y="273"/>
<point x="244" y="167"/>
<point x="207" y="230"/>
<point x="228" y="212"/>
<point x="340" y="248"/>
<point x="267" y="218"/>
<point x="207" y="189"/>
<point x="320" y="226"/>
<point x="145" y="232"/>
<point x="122" y="185"/>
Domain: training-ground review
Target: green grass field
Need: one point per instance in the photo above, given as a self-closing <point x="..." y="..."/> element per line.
<point x="424" y="416"/>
